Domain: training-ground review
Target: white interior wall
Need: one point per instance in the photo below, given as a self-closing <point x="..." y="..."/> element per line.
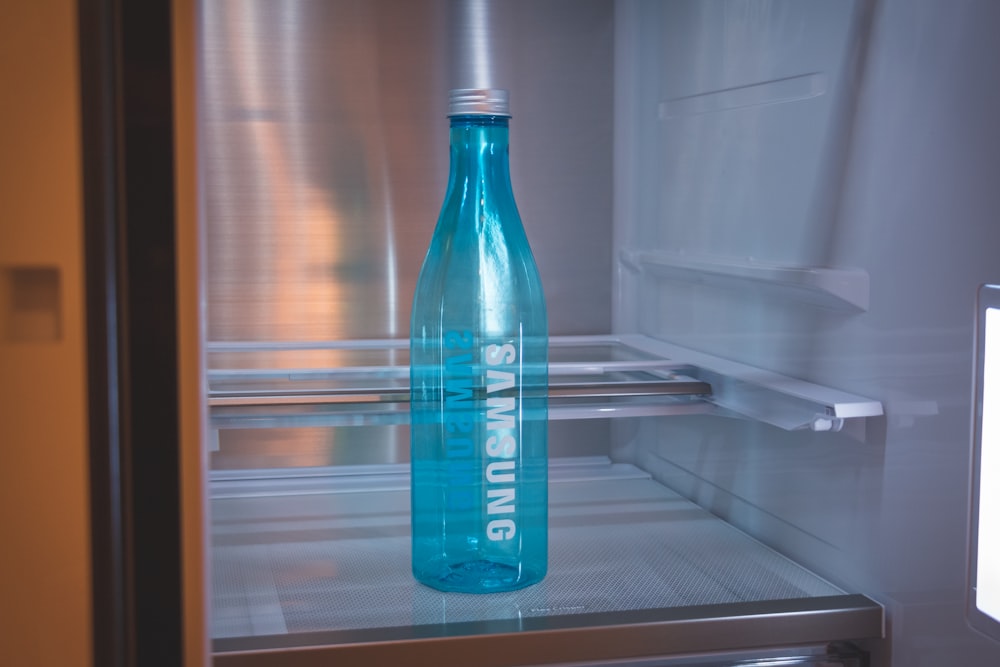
<point x="881" y="510"/>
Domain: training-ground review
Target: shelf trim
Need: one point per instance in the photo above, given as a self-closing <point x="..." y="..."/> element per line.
<point x="563" y="639"/>
<point x="776" y="399"/>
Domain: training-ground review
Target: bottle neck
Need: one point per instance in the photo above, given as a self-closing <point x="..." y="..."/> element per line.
<point x="479" y="148"/>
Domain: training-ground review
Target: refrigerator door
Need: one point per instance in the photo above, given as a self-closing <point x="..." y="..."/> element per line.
<point x="45" y="578"/>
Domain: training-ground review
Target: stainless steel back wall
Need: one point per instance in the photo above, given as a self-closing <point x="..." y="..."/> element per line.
<point x="324" y="154"/>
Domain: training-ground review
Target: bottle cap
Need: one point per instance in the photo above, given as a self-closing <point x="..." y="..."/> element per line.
<point x="478" y="102"/>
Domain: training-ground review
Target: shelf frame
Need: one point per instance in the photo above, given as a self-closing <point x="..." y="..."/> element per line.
<point x="690" y="604"/>
<point x="572" y="639"/>
<point x="844" y="289"/>
<point x="654" y="378"/>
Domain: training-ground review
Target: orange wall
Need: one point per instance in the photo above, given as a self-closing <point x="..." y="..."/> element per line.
<point x="44" y="529"/>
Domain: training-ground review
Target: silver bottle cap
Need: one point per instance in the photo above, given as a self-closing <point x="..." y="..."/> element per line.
<point x="478" y="102"/>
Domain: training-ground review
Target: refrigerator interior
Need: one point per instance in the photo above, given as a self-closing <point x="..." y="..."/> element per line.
<point x="760" y="227"/>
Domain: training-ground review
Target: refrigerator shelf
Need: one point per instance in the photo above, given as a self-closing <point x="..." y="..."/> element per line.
<point x="840" y="289"/>
<point x="763" y="396"/>
<point x="338" y="383"/>
<point x="313" y="566"/>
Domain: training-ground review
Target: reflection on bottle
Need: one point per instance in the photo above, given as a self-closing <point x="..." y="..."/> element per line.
<point x="431" y="607"/>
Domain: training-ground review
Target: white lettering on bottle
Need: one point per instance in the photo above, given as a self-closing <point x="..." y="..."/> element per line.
<point x="500" y="529"/>
<point x="506" y="380"/>
<point x="501" y="446"/>
<point x="495" y="472"/>
<point x="500" y="354"/>
<point x="500" y="412"/>
<point x="502" y="501"/>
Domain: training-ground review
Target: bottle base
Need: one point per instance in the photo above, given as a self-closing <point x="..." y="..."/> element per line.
<point x="477" y="576"/>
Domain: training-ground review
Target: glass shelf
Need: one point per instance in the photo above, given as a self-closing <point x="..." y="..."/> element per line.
<point x="340" y="383"/>
<point x="310" y="562"/>
<point x="314" y="569"/>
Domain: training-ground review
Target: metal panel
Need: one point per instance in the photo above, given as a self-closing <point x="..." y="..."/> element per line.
<point x="325" y="154"/>
<point x="324" y="159"/>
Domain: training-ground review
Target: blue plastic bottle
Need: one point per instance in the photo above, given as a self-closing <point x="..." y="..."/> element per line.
<point x="479" y="374"/>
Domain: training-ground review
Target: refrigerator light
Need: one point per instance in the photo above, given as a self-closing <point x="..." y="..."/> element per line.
<point x="983" y="591"/>
<point x="988" y="557"/>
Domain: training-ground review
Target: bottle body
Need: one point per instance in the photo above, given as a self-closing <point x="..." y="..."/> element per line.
<point x="479" y="382"/>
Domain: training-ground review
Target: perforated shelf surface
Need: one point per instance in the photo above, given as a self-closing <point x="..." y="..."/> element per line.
<point x="330" y="552"/>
